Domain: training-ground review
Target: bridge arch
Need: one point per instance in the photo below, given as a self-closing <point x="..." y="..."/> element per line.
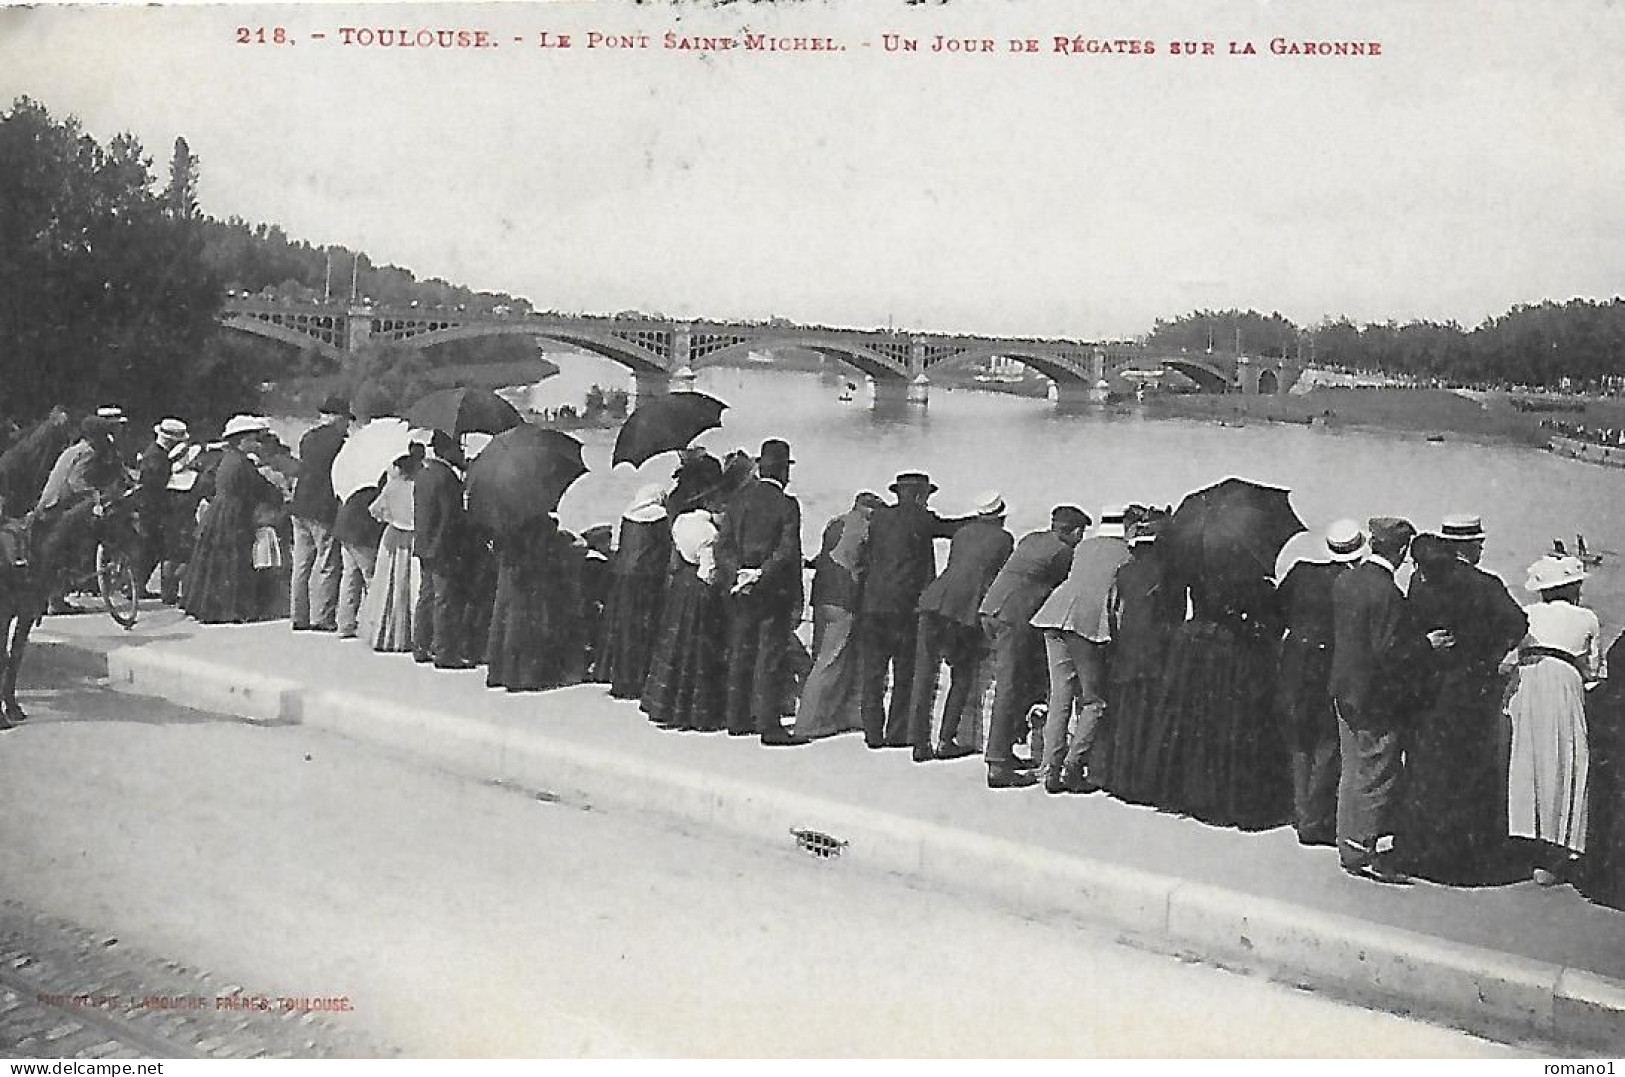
<point x="1207" y="378"/>
<point x="638" y="359"/>
<point x="1054" y="365"/>
<point x="283" y="334"/>
<point x="1268" y="382"/>
<point x="877" y="365"/>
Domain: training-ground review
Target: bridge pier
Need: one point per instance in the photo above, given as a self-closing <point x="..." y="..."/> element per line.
<point x="1073" y="394"/>
<point x="648" y="384"/>
<point x="919" y="390"/>
<point x="892" y="391"/>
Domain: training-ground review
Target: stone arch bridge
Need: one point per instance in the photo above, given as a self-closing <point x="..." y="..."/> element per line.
<point x="655" y="349"/>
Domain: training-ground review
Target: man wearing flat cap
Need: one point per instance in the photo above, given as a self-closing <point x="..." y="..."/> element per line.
<point x="317" y="558"/>
<point x="950" y="629"/>
<point x="1038" y="565"/>
<point x="1368" y="645"/>
<point x="758" y="555"/>
<point x="898" y="563"/>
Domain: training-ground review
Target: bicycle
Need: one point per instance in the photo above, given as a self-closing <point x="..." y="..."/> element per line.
<point x="110" y="575"/>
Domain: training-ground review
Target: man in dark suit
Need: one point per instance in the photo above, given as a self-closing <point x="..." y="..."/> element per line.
<point x="949" y="628"/>
<point x="898" y="563"/>
<point x="1038" y="565"/>
<point x="758" y="553"/>
<point x="1367" y="637"/>
<point x="1303" y="690"/>
<point x="317" y="558"/>
<point x="440" y="542"/>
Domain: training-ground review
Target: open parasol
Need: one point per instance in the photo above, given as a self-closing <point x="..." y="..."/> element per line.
<point x="521" y="475"/>
<point x="464" y="411"/>
<point x="665" y="423"/>
<point x="1232" y="530"/>
<point x="367" y="454"/>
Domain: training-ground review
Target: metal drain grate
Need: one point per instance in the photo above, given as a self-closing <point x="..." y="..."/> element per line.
<point x="817" y="843"/>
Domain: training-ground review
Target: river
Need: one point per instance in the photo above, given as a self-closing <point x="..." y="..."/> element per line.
<point x="972" y="441"/>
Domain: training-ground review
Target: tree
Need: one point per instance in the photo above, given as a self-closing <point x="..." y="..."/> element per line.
<point x="104" y="295"/>
<point x="180" y="198"/>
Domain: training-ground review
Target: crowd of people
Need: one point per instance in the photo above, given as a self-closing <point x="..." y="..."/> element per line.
<point x="1442" y="731"/>
<point x="1611" y="436"/>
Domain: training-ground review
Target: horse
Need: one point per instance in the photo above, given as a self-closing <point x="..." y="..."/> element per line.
<point x="51" y="543"/>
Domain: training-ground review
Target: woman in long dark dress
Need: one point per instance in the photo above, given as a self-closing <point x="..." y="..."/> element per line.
<point x="1603" y="877"/>
<point x="1220" y="754"/>
<point x="220" y="582"/>
<point x="1452" y="826"/>
<point x="1146" y="608"/>
<point x="684" y="688"/>
<point x="522" y="646"/>
<point x="636" y="592"/>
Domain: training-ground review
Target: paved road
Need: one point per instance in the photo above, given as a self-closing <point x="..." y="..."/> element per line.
<point x="469" y="919"/>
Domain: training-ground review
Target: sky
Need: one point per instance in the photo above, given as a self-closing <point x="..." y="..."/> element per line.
<point x="1478" y="162"/>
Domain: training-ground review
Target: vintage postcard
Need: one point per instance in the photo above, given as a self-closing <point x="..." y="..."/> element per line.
<point x="812" y="529"/>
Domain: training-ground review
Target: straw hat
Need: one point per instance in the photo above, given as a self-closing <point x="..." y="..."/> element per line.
<point x="1111" y="522"/>
<point x="989" y="503"/>
<point x="1462" y="527"/>
<point x="244" y="424"/>
<point x="1552" y="572"/>
<point x="1345" y="540"/>
<point x="647" y="506"/>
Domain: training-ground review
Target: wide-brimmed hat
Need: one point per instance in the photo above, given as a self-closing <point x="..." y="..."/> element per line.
<point x="244" y="424"/>
<point x="1111" y="522"/>
<point x="1345" y="540"/>
<point x="989" y="503"/>
<point x="1552" y="572"/>
<point x="907" y="480"/>
<point x="774" y="451"/>
<point x="647" y="505"/>
<point x="112" y="413"/>
<point x="171" y="428"/>
<point x="337" y="405"/>
<point x="1461" y="527"/>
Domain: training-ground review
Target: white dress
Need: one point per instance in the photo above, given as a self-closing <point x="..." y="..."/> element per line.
<point x="1546" y="780"/>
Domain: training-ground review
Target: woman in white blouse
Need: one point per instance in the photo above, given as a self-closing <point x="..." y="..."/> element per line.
<point x="392" y="593"/>
<point x="1558" y="660"/>
<point x="683" y="689"/>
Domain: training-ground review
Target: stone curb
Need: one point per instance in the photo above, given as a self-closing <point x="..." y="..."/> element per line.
<point x="1485" y="991"/>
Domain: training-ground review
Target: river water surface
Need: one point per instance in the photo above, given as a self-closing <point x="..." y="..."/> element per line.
<point x="972" y="441"/>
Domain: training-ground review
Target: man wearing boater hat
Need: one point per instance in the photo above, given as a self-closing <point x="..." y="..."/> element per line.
<point x="1367" y="644"/>
<point x="1303" y="688"/>
<point x="898" y="563"/>
<point x="758" y="555"/>
<point x="164" y="543"/>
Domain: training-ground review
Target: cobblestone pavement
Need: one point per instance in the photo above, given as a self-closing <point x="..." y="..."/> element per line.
<point x="66" y="992"/>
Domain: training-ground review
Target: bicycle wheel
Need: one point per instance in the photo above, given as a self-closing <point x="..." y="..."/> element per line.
<point x="116" y="581"/>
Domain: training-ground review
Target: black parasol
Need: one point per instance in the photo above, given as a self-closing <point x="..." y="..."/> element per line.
<point x="522" y="475"/>
<point x="665" y="423"/>
<point x="1232" y="530"/>
<point x="465" y="411"/>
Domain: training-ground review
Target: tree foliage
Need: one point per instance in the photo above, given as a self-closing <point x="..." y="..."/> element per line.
<point x="105" y="296"/>
<point x="1541" y="344"/>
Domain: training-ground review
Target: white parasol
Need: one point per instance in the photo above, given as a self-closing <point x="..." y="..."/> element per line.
<point x="367" y="454"/>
